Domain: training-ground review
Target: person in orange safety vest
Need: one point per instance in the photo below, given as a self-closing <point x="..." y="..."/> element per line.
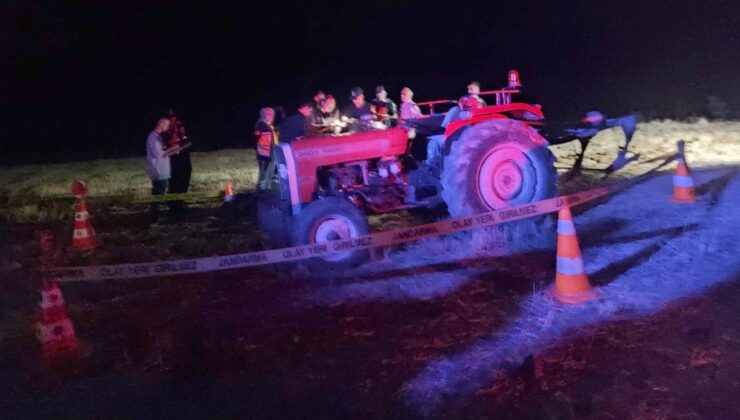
<point x="266" y="139"/>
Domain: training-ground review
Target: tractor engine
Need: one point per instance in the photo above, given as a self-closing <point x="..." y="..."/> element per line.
<point x="378" y="184"/>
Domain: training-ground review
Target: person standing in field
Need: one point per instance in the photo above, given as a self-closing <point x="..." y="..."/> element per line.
<point x="178" y="147"/>
<point x="158" y="165"/>
<point x="266" y="139"/>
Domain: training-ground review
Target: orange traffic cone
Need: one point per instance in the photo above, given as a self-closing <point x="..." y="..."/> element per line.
<point x="571" y="283"/>
<point x="683" y="183"/>
<point x="83" y="236"/>
<point x="55" y="331"/>
<point x="228" y="193"/>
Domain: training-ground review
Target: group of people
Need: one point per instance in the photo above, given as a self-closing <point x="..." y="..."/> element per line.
<point x="322" y="117"/>
<point x="168" y="162"/>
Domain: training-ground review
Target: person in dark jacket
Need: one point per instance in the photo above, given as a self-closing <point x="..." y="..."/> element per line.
<point x="360" y="113"/>
<point x="297" y="125"/>
<point x="386" y="110"/>
<point x="178" y="147"/>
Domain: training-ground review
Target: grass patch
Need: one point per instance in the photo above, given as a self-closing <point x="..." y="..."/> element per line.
<point x="36" y="193"/>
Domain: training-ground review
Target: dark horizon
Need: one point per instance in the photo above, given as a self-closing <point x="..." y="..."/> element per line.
<point x="88" y="81"/>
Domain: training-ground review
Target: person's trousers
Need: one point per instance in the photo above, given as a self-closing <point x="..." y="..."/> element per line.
<point x="158" y="188"/>
<point x="264" y="166"/>
<point x="434" y="148"/>
<point x="269" y="174"/>
<point x="180" y="178"/>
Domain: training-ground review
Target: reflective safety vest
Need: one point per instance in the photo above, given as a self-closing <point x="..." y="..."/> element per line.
<point x="265" y="140"/>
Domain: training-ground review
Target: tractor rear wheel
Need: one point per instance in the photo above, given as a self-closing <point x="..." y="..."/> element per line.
<point x="495" y="164"/>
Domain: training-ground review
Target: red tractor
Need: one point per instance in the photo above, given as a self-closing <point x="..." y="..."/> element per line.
<point x="471" y="159"/>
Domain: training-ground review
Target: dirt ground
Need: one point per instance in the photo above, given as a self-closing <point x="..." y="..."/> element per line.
<point x="278" y="342"/>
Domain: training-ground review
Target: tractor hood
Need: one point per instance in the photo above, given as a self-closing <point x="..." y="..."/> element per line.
<point x="304" y="157"/>
<point x="327" y="150"/>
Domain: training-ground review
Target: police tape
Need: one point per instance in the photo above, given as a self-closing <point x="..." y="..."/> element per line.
<point x="373" y="240"/>
<point x="189" y="196"/>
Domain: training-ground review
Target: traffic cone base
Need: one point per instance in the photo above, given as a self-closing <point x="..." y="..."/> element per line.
<point x="571" y="283"/>
<point x="573" y="298"/>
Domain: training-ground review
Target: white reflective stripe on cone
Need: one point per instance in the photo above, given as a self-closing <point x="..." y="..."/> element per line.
<point x="682" y="181"/>
<point x="81" y="233"/>
<point x="566" y="227"/>
<point x="82" y="215"/>
<point x="570" y="266"/>
<point x="50" y="300"/>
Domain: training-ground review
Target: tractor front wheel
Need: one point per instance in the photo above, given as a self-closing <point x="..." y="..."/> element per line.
<point x="329" y="219"/>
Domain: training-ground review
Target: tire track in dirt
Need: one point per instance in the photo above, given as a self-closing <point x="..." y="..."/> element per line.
<point x="637" y="291"/>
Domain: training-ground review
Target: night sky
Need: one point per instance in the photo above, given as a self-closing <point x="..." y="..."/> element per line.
<point x="88" y="80"/>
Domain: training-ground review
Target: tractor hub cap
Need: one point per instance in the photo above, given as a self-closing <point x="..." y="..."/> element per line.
<point x="331" y="229"/>
<point x="507" y="179"/>
<point x="504" y="178"/>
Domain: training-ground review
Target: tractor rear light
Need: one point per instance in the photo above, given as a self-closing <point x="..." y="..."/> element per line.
<point x="514" y="81"/>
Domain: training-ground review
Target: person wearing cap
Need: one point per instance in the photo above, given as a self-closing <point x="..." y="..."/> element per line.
<point x="178" y="148"/>
<point x="157" y="164"/>
<point x="266" y="140"/>
<point x="385" y="109"/>
<point x="360" y="113"/>
<point x="297" y="125"/>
